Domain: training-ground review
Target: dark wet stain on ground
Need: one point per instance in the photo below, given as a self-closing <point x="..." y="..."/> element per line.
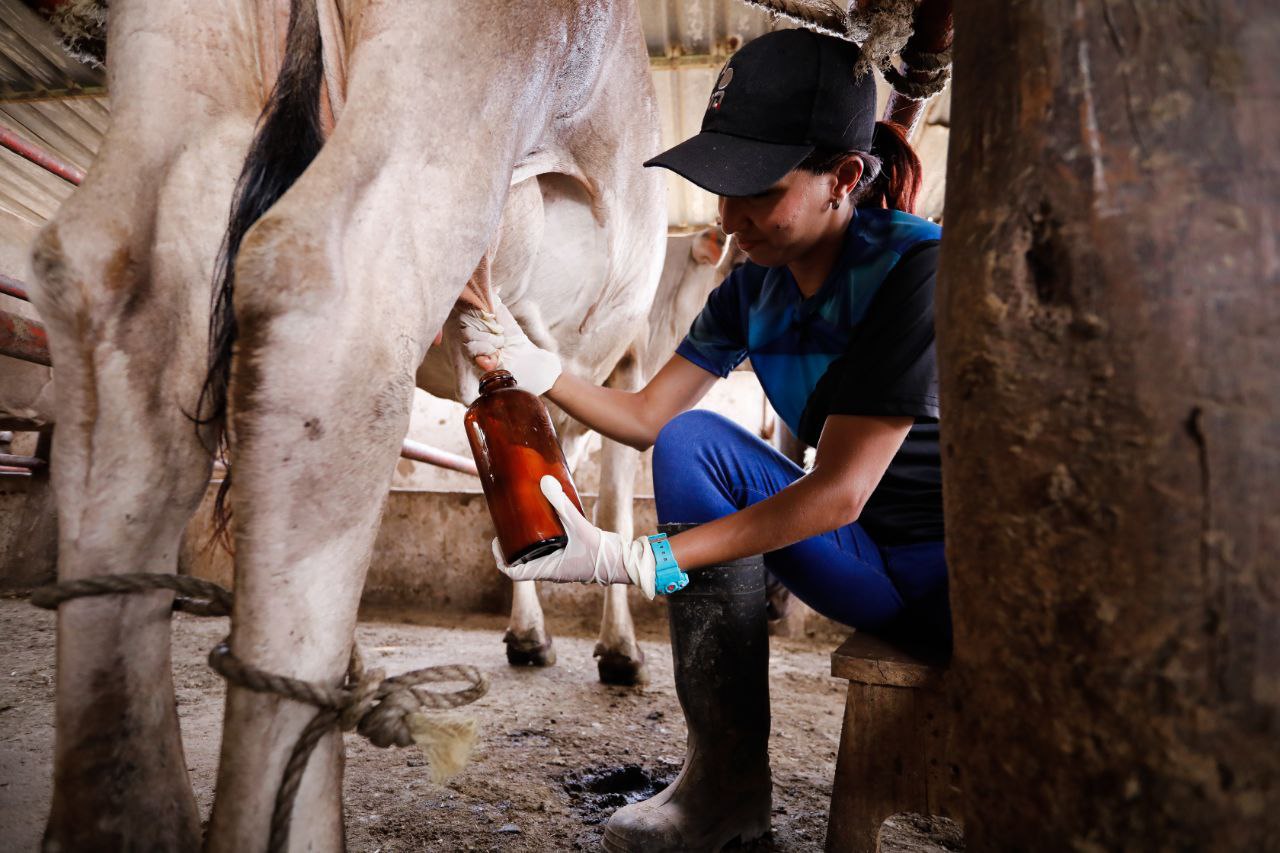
<point x="597" y="792"/>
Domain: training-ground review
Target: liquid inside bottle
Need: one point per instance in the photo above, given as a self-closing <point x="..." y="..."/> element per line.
<point x="515" y="445"/>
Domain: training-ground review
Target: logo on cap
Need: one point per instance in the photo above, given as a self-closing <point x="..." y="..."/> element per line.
<point x="717" y="97"/>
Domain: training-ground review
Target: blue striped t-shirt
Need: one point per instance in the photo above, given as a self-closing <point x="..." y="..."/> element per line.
<point x="759" y="313"/>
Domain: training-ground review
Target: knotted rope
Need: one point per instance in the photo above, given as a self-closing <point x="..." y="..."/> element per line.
<point x="386" y="711"/>
<point x="882" y="28"/>
<point x="926" y="74"/>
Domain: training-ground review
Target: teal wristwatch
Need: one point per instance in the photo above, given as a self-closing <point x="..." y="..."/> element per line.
<point x="668" y="577"/>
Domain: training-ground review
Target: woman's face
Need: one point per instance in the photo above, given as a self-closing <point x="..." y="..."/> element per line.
<point x="786" y="222"/>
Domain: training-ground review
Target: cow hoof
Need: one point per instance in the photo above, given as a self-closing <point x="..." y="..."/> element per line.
<point x="529" y="651"/>
<point x="620" y="669"/>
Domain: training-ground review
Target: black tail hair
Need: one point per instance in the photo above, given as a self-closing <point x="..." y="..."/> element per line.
<point x="288" y="137"/>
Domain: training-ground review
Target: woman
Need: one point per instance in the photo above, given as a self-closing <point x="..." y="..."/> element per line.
<point x="835" y="311"/>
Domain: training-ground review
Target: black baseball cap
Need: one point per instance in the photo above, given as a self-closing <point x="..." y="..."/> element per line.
<point x="780" y="97"/>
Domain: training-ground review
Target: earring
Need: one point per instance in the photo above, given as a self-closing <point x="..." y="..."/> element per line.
<point x="835" y="204"/>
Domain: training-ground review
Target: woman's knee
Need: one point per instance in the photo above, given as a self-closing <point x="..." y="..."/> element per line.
<point x="688" y="432"/>
<point x="686" y="482"/>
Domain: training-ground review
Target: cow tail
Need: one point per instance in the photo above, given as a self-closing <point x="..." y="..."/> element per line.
<point x="287" y="139"/>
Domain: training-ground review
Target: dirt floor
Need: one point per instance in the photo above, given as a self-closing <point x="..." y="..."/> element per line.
<point x="557" y="752"/>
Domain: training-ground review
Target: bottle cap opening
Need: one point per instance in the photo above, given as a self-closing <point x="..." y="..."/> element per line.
<point x="496" y="379"/>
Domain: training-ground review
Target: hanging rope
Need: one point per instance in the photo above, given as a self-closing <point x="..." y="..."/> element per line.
<point x="923" y="76"/>
<point x="918" y="89"/>
<point x="920" y="61"/>
<point x="888" y="24"/>
<point x="882" y="28"/>
<point x="81" y="27"/>
<point x="386" y="711"/>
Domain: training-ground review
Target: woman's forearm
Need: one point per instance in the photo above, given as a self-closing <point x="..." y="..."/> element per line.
<point x="633" y="418"/>
<point x="808" y="507"/>
<point x="619" y="415"/>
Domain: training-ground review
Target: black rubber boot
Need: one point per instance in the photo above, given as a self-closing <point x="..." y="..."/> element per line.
<point x="720" y="644"/>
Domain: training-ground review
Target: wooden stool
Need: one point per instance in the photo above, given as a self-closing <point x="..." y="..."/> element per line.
<point x="895" y="744"/>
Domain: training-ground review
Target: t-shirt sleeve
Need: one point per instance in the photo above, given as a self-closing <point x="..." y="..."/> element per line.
<point x="717" y="340"/>
<point x="890" y="366"/>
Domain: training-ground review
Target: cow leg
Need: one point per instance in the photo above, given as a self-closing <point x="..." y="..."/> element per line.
<point x="315" y="435"/>
<point x="127" y="329"/>
<point x="340" y="288"/>
<point x="619" y="659"/>
<point x="527" y="640"/>
<point x="121" y="281"/>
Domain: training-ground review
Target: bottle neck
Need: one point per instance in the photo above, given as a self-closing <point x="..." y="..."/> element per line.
<point x="496" y="380"/>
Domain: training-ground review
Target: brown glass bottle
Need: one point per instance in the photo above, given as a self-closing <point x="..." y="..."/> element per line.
<point x="515" y="445"/>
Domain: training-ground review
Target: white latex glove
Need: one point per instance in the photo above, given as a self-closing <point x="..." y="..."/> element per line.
<point x="496" y="340"/>
<point x="591" y="555"/>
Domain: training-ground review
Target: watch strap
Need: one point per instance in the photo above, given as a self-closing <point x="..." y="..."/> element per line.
<point x="668" y="576"/>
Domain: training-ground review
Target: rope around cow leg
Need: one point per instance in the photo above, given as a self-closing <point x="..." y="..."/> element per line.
<point x="387" y="711"/>
<point x="196" y="596"/>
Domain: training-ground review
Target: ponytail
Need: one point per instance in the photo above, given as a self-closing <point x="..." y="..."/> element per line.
<point x="891" y="170"/>
<point x="898" y="183"/>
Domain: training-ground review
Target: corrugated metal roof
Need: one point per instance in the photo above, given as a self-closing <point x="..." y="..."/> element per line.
<point x="675" y="28"/>
<point x="50" y="100"/>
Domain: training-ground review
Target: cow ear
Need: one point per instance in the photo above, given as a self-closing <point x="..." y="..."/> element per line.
<point x="708" y="246"/>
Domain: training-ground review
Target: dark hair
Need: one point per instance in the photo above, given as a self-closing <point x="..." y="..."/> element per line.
<point x="287" y="139"/>
<point x="891" y="171"/>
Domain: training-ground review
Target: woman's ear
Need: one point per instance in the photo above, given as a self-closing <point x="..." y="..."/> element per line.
<point x="848" y="173"/>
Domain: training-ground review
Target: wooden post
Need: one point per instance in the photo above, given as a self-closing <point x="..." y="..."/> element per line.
<point x="1108" y="317"/>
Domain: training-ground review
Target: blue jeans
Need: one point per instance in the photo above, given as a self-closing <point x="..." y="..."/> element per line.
<point x="706" y="467"/>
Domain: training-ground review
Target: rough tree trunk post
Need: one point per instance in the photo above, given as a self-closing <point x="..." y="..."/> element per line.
<point x="1109" y="322"/>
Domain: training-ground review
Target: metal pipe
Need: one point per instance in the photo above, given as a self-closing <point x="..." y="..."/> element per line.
<point x="45" y="160"/>
<point x="419" y="452"/>
<point x="24" y="339"/>
<point x="11" y="460"/>
<point x="9" y="471"/>
<point x="10" y="286"/>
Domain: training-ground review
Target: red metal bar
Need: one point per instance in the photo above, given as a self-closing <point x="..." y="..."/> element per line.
<point x="30" y="463"/>
<point x="932" y="33"/>
<point x="24" y="339"/>
<point x="45" y="160"/>
<point x="419" y="452"/>
<point x="10" y="286"/>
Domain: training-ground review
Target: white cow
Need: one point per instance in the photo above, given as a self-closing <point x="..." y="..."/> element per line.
<point x="550" y="305"/>
<point x="449" y="117"/>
